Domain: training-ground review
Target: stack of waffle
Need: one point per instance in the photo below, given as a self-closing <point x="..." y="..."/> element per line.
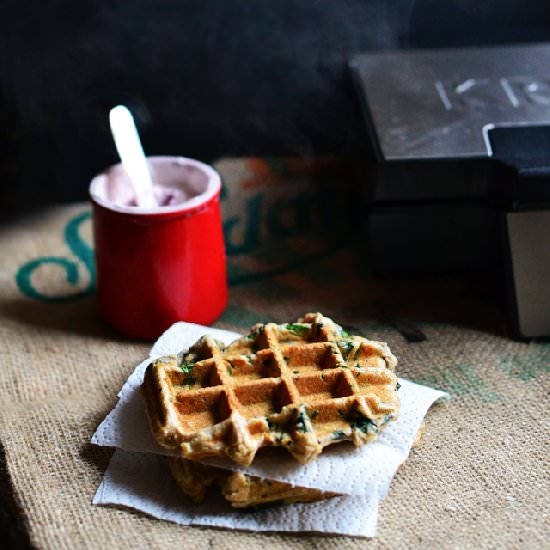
<point x="300" y="386"/>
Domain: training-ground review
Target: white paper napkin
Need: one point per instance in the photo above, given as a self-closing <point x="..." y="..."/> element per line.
<point x="138" y="476"/>
<point x="143" y="482"/>
<point x="341" y="468"/>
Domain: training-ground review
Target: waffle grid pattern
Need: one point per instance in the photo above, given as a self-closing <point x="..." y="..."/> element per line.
<point x="301" y="386"/>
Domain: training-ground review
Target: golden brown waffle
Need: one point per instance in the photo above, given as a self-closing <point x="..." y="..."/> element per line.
<point x="301" y="386"/>
<point x="242" y="490"/>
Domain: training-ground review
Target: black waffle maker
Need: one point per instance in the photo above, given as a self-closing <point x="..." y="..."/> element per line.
<point x="461" y="181"/>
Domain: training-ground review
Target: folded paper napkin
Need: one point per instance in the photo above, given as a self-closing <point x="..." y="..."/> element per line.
<point x="138" y="477"/>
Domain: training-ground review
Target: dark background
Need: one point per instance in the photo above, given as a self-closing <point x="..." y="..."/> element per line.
<point x="206" y="78"/>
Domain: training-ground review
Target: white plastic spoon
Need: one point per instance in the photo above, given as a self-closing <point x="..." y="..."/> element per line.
<point x="132" y="156"/>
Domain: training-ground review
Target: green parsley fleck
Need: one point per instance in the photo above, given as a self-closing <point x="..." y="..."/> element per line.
<point x="364" y="424"/>
<point x="302" y="424"/>
<point x="187" y="369"/>
<point x="298" y="329"/>
<point x="345" y="347"/>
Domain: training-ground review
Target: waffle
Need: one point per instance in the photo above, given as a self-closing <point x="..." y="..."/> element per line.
<point x="301" y="386"/>
<point x="242" y="490"/>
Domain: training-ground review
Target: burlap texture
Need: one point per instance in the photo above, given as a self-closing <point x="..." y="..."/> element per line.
<point x="480" y="478"/>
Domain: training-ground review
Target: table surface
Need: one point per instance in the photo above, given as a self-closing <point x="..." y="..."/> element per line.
<point x="479" y="477"/>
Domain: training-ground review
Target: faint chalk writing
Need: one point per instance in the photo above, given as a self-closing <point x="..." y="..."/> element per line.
<point x="480" y="93"/>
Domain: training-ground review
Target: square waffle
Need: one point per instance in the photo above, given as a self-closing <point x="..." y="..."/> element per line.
<point x="301" y="386"/>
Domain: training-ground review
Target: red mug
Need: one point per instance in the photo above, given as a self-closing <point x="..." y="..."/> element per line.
<point x="161" y="265"/>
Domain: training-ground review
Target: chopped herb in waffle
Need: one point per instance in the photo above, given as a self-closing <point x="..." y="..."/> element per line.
<point x="301" y="386"/>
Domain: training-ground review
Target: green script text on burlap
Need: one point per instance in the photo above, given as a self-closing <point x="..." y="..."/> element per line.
<point x="480" y="478"/>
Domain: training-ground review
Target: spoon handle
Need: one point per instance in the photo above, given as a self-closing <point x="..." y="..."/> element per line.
<point x="131" y="154"/>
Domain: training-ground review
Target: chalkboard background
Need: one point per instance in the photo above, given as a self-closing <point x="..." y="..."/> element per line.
<point x="207" y="78"/>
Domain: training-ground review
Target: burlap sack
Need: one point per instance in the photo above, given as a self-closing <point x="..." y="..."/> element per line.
<point x="480" y="478"/>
